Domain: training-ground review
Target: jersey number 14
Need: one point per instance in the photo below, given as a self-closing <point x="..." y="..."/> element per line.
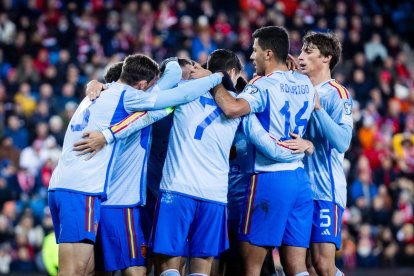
<point x="299" y="121"/>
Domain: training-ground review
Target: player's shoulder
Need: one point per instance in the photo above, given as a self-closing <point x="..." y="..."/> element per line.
<point x="337" y="90"/>
<point x="298" y="75"/>
<point x="255" y="79"/>
<point x="260" y="83"/>
<point x="255" y="85"/>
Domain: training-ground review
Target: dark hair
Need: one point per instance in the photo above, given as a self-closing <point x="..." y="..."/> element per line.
<point x="223" y="60"/>
<point x="274" y="38"/>
<point x="327" y="43"/>
<point x="113" y="72"/>
<point x="138" y="67"/>
<point x="185" y="61"/>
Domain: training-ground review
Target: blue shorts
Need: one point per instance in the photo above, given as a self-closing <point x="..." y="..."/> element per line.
<point x="185" y="222"/>
<point x="75" y="216"/>
<point x="278" y="210"/>
<point x="120" y="242"/>
<point x="327" y="223"/>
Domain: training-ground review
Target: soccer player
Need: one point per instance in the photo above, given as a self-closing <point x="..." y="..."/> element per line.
<point x="330" y="129"/>
<point x="160" y="136"/>
<point x="121" y="243"/>
<point x="200" y="131"/>
<point x="77" y="186"/>
<point x="278" y="204"/>
<point x="193" y="189"/>
<point x="257" y="138"/>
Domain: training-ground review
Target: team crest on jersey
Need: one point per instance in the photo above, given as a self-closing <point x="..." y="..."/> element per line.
<point x="250" y="89"/>
<point x="348" y="108"/>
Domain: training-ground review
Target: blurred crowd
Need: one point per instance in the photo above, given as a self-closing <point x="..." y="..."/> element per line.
<point x="49" y="49"/>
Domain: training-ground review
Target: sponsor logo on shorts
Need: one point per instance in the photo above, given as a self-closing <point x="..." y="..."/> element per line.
<point x="326" y="233"/>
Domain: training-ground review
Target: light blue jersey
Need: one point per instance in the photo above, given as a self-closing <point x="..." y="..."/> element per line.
<point x="158" y="153"/>
<point x="283" y="102"/>
<point x="330" y="130"/>
<point x="114" y="104"/>
<point x="130" y="164"/>
<point x="73" y="172"/>
<point x="197" y="162"/>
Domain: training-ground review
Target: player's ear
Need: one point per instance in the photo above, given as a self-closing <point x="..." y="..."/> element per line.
<point x="326" y="59"/>
<point x="269" y="54"/>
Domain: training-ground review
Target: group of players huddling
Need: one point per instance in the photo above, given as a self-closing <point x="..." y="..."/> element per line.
<point x="169" y="162"/>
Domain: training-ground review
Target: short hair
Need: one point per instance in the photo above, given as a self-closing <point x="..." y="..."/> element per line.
<point x="138" y="67"/>
<point x="274" y="38"/>
<point x="113" y="72"/>
<point x="185" y="61"/>
<point x="327" y="43"/>
<point x="224" y="60"/>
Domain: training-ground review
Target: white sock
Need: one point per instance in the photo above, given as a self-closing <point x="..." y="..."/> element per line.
<point x="170" y="272"/>
<point x="339" y="273"/>
<point x="305" y="273"/>
<point x="197" y="274"/>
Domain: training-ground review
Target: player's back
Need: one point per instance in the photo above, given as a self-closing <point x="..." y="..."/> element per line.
<point x="158" y="152"/>
<point x="74" y="172"/>
<point x="129" y="173"/>
<point x="198" y="151"/>
<point x="325" y="166"/>
<point x="289" y="104"/>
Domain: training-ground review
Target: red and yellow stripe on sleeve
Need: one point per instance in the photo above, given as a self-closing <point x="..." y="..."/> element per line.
<point x="343" y="94"/>
<point x="127" y="121"/>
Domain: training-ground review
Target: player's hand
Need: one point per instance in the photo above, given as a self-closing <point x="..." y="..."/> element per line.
<point x="94" y="89"/>
<point x="226" y="81"/>
<point x="199" y="72"/>
<point x="291" y="63"/>
<point x="241" y="84"/>
<point x="317" y="101"/>
<point x="92" y="142"/>
<point x="298" y="144"/>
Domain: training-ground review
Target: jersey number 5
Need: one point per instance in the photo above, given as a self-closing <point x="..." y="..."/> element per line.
<point x="325" y="218"/>
<point x="209" y="119"/>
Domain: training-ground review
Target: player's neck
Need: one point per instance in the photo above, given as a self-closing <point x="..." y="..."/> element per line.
<point x="275" y="67"/>
<point x="320" y="77"/>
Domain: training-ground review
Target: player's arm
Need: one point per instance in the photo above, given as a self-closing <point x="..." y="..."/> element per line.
<point x="187" y="91"/>
<point x="181" y="94"/>
<point x="338" y="134"/>
<point x="134" y="123"/>
<point x="266" y="144"/>
<point x="232" y="107"/>
<point x="171" y="75"/>
<point x="94" y="141"/>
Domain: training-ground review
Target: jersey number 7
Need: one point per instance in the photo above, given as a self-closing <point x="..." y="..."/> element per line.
<point x="209" y="119"/>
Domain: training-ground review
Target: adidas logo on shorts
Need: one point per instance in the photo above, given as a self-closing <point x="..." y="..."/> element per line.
<point x="326" y="232"/>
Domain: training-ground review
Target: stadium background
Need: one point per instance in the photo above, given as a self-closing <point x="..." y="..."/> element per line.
<point x="50" y="49"/>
